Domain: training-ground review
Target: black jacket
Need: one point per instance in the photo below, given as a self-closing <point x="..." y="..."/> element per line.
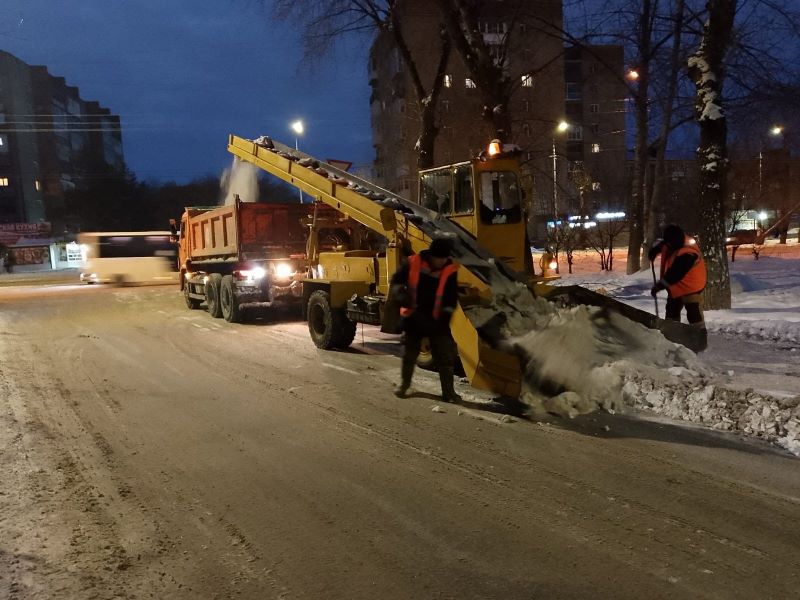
<point x="422" y="318"/>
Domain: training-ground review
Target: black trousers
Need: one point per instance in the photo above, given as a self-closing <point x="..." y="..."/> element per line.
<point x="694" y="309"/>
<point x="442" y="349"/>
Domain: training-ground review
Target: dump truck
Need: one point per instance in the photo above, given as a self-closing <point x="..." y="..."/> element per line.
<point x="478" y="203"/>
<point x="242" y="255"/>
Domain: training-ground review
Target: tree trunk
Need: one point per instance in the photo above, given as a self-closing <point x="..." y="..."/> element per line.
<point x="706" y="68"/>
<point x="636" y="207"/>
<point x="659" y="180"/>
<point x="427" y="102"/>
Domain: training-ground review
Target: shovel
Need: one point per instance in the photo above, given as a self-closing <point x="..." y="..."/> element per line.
<point x="653" y="269"/>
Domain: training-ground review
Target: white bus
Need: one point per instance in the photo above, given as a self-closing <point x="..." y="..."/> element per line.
<point x="128" y="257"/>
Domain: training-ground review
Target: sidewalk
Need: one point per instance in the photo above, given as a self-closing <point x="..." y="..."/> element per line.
<point x="61" y="276"/>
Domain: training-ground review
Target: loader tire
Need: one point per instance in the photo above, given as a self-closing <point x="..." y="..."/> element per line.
<point x="229" y="304"/>
<point x="425" y="358"/>
<point x="329" y="328"/>
<point x="212" y="295"/>
<point x="192" y="303"/>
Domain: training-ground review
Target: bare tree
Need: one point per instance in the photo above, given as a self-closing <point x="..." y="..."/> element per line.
<point x="707" y="70"/>
<point x="324" y="21"/>
<point x="601" y="239"/>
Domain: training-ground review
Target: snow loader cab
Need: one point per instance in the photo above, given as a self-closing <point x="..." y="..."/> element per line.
<point x="483" y="197"/>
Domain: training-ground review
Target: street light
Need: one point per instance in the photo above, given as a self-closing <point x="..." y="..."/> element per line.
<point x="560" y="128"/>
<point x="298" y="128"/>
<point x="633" y="75"/>
<point x="774" y="131"/>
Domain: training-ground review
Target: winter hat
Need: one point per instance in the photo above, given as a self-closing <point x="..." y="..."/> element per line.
<point x="441" y="248"/>
<point x="674" y="236"/>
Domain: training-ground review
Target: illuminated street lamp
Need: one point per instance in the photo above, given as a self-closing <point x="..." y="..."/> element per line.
<point x="298" y="128"/>
<point x="633" y="75"/>
<point x="560" y="128"/>
<point x="774" y="131"/>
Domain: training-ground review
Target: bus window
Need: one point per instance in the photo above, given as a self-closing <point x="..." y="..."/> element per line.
<point x="463" y="196"/>
<point x="434" y="191"/>
<point x="129" y="257"/>
<point x="500" y="198"/>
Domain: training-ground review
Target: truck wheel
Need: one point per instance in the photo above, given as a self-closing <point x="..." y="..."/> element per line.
<point x="329" y="327"/>
<point x="212" y="295"/>
<point x="228" y="302"/>
<point x="192" y="303"/>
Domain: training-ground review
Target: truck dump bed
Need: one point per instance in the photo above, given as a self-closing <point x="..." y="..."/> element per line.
<point x="245" y="231"/>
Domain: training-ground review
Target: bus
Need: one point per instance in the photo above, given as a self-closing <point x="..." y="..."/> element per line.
<point x="128" y="257"/>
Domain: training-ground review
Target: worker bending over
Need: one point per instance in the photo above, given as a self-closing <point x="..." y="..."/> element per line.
<point x="427" y="290"/>
<point x="683" y="275"/>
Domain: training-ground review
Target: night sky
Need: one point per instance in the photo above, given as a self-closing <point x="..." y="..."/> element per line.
<point x="182" y="74"/>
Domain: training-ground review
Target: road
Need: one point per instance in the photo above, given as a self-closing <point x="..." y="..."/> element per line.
<point x="151" y="451"/>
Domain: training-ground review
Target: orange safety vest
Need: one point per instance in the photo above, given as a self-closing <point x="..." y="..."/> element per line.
<point x="415" y="267"/>
<point x="695" y="279"/>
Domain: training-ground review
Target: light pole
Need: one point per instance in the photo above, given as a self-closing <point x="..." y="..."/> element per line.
<point x="774" y="131"/>
<point x="561" y="128"/>
<point x="298" y="128"/>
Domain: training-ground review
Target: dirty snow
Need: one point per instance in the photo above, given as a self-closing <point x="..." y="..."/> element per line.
<point x="765" y="307"/>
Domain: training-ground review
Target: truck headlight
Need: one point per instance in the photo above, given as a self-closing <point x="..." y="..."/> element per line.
<point x="253" y="274"/>
<point x="284" y="270"/>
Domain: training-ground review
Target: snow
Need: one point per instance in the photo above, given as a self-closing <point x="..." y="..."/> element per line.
<point x="765" y="308"/>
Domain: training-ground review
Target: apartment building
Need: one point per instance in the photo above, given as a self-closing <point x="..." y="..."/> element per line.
<point x="51" y="141"/>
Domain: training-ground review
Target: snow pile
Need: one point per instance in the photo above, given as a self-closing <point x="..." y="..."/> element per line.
<point x="690" y="397"/>
<point x="580" y="359"/>
<point x="577" y="359"/>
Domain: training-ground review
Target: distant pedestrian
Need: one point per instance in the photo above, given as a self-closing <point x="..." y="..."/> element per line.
<point x="8" y="261"/>
<point x="428" y="292"/>
<point x="683" y="275"/>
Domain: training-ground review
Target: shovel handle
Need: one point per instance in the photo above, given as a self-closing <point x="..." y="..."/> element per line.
<point x="655" y="298"/>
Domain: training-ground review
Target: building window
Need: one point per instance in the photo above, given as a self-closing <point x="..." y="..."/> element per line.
<point x="448" y="81"/>
<point x="573" y="91"/>
<point x="38" y="185"/>
<point x="526" y="129"/>
<point x="595" y="148"/>
<point x="527" y="81"/>
<point x="3" y="144"/>
<point x="470" y="84"/>
<point x="445" y="105"/>
<point x="526" y="106"/>
<point x="575" y="133"/>
<point x="401" y="106"/>
<point x="595" y="108"/>
<point x="3" y="181"/>
<point x="593" y="68"/>
<point x="523" y="28"/>
<point x="595" y="127"/>
<point x="495" y="27"/>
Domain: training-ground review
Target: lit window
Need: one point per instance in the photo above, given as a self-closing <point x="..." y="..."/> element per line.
<point x="527" y="81"/>
<point x="470" y="84"/>
<point x="38" y="185"/>
<point x="448" y="81"/>
<point x="595" y="148"/>
<point x="3" y="181"/>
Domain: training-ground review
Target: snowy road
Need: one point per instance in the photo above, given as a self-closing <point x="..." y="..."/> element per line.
<point x="151" y="451"/>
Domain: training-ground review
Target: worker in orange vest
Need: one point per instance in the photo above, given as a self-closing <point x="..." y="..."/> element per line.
<point x="683" y="275"/>
<point x="428" y="292"/>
